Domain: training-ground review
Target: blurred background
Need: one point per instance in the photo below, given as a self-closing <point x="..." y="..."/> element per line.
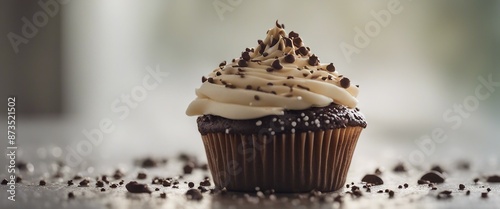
<point x="74" y="64"/>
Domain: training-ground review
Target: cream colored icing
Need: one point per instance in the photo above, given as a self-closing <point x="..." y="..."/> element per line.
<point x="258" y="88"/>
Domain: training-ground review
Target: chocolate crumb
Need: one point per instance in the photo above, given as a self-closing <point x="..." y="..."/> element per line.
<point x="372" y="179"/>
<point x="218" y="73"/>
<point x="256" y="97"/>
<point x="467" y="193"/>
<point x="141" y="175"/>
<point x="380" y="191"/>
<point x="163" y="195"/>
<point x="4" y="182"/>
<point x="433" y="177"/>
<point x="405" y="185"/>
<point x="444" y="195"/>
<point x="71" y="195"/>
<point x="70" y="182"/>
<point x="297" y="42"/>
<point x="148" y="163"/>
<point x="42" y="183"/>
<point x="103" y="190"/>
<point x="190" y="184"/>
<point x="391" y="194"/>
<point x="188" y="168"/>
<point x="84" y="183"/>
<point x="476" y="180"/>
<point x="194" y="194"/>
<point x="265" y="54"/>
<point x="167" y="183"/>
<point x="205" y="183"/>
<point x="347" y="185"/>
<point x="400" y="187"/>
<point x="203" y="79"/>
<point x="134" y="187"/>
<point x="210" y="80"/>
<point x="484" y="195"/>
<point x="118" y="174"/>
<point x="113" y="186"/>
<point x="493" y="179"/>
<point x="399" y="168"/>
<point x="461" y="187"/>
<point x="99" y="184"/>
<point x="157" y="189"/>
<point x="488" y="190"/>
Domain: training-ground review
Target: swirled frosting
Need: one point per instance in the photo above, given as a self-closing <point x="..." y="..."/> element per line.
<point x="280" y="73"/>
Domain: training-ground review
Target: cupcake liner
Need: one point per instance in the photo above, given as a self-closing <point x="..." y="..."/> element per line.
<point x="297" y="162"/>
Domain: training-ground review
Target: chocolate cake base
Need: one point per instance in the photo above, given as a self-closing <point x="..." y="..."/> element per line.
<point x="293" y="121"/>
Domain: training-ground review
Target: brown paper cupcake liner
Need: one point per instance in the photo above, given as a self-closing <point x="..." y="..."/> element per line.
<point x="297" y="162"/>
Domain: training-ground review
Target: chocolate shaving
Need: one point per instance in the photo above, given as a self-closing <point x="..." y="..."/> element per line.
<point x="303" y="87"/>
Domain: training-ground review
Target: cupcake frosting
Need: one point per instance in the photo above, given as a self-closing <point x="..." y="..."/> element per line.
<point x="281" y="73"/>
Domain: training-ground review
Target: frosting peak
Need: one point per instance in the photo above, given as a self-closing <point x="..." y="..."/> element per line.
<point x="280" y="73"/>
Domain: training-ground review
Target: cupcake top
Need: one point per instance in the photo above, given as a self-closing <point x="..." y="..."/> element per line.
<point x="280" y="74"/>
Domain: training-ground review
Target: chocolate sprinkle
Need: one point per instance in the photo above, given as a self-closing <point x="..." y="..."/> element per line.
<point x="372" y="179"/>
<point x="303" y="51"/>
<point x="345" y="82"/>
<point x="493" y="179"/>
<point x="313" y="60"/>
<point x="242" y="63"/>
<point x="134" y="187"/>
<point x="289" y="58"/>
<point x="245" y="56"/>
<point x="293" y="34"/>
<point x="330" y="67"/>
<point x="277" y="65"/>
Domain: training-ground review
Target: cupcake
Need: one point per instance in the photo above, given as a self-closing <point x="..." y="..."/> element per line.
<point x="276" y="118"/>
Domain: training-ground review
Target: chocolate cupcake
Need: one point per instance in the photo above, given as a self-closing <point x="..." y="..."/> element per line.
<point x="276" y="118"/>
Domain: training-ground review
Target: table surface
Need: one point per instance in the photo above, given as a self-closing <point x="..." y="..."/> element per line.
<point x="54" y="195"/>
